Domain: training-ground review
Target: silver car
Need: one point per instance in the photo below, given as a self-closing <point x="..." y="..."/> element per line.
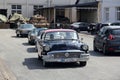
<point x="24" y="29"/>
<point x="33" y="35"/>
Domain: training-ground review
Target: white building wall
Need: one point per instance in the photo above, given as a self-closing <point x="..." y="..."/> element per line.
<point x="27" y="5"/>
<point x="111" y="4"/>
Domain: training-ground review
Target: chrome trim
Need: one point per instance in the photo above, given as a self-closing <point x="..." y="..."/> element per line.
<point x="50" y="58"/>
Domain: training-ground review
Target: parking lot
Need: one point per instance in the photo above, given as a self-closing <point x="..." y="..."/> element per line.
<point x="21" y="58"/>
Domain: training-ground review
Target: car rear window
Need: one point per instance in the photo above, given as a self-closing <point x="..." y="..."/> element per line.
<point x="104" y="25"/>
<point x="116" y="32"/>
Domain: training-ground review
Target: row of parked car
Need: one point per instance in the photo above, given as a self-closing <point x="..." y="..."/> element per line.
<point x="55" y="45"/>
<point x="91" y="27"/>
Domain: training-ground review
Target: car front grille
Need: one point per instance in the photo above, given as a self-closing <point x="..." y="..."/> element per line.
<point x="67" y="55"/>
<point x="63" y="47"/>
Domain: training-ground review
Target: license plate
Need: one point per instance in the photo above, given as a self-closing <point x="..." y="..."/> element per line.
<point x="65" y="60"/>
<point x="68" y="60"/>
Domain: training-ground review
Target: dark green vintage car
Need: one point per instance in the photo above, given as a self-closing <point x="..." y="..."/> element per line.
<point x="61" y="45"/>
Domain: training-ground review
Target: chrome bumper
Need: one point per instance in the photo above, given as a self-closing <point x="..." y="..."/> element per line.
<point x="50" y="58"/>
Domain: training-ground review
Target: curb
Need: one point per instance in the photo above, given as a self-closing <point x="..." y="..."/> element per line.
<point x="5" y="73"/>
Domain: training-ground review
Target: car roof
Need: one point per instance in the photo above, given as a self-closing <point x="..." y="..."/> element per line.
<point x="113" y="27"/>
<point x="56" y="30"/>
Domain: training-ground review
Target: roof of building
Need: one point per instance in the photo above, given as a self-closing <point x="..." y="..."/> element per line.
<point x="88" y="4"/>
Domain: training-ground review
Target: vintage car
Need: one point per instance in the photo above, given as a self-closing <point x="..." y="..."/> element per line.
<point x="24" y="29"/>
<point x="62" y="45"/>
<point x="32" y="35"/>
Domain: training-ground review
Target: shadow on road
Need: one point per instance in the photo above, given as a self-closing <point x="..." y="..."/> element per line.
<point x="100" y="54"/>
<point x="18" y="37"/>
<point x="31" y="50"/>
<point x="97" y="54"/>
<point x="26" y="44"/>
<point x="15" y="37"/>
<point x="34" y="63"/>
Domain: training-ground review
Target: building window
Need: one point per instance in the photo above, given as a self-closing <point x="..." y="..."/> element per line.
<point x="118" y="13"/>
<point x="35" y="7"/>
<point x="106" y="14"/>
<point x="16" y="9"/>
<point x="60" y="12"/>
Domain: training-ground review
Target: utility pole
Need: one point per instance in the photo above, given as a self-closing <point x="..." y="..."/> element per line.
<point x="4" y="4"/>
<point x="27" y="7"/>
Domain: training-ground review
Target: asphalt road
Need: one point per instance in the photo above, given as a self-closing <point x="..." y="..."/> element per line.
<point x="21" y="59"/>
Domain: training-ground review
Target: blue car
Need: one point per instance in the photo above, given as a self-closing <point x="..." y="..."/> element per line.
<point x="33" y="34"/>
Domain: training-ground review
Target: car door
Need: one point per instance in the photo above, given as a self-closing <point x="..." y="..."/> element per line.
<point x="102" y="37"/>
<point x="39" y="43"/>
<point x="98" y="38"/>
<point x="81" y="27"/>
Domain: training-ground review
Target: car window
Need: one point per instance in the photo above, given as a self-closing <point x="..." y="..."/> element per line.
<point x="42" y="35"/>
<point x="27" y="26"/>
<point x="115" y="32"/>
<point x="107" y="32"/>
<point x="102" y="31"/>
<point x="34" y="30"/>
<point x="61" y="35"/>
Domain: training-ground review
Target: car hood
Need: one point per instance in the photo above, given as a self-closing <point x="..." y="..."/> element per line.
<point x="65" y="44"/>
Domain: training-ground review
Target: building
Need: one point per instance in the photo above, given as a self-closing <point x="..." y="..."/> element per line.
<point x="109" y="10"/>
<point x="27" y="7"/>
<point x="105" y="11"/>
<point x="75" y="10"/>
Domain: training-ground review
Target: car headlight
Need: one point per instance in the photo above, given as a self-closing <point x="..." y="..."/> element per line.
<point x="47" y="48"/>
<point x="88" y="27"/>
<point x="85" y="47"/>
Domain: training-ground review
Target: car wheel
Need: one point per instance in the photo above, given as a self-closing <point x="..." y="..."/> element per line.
<point x="82" y="64"/>
<point x="45" y="64"/>
<point x="17" y="35"/>
<point x="36" y="48"/>
<point x="105" y="52"/>
<point x="94" y="47"/>
<point x="29" y="42"/>
<point x="39" y="57"/>
<point x="78" y="30"/>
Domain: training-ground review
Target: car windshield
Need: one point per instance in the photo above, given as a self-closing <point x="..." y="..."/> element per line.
<point x="61" y="35"/>
<point x="116" y="32"/>
<point x="25" y="26"/>
<point x="38" y="30"/>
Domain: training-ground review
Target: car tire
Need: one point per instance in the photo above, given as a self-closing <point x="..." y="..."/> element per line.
<point x="94" y="48"/>
<point x="36" y="48"/>
<point x="29" y="42"/>
<point x="45" y="64"/>
<point x="39" y="57"/>
<point x="17" y="35"/>
<point x="83" y="63"/>
<point x="105" y="52"/>
<point x="78" y="30"/>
